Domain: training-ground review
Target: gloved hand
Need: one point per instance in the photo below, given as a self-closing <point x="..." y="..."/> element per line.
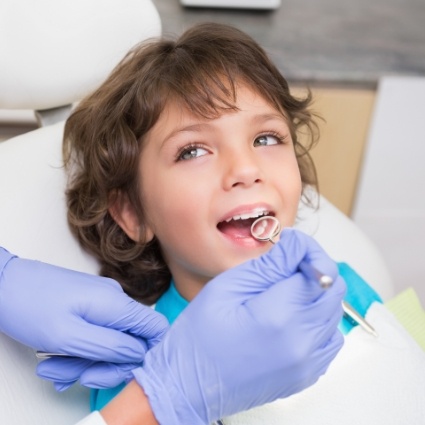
<point x="255" y="333"/>
<point x="65" y="371"/>
<point x="57" y="310"/>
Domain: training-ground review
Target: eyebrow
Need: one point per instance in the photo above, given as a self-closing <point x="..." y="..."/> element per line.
<point x="186" y="129"/>
<point x="197" y="127"/>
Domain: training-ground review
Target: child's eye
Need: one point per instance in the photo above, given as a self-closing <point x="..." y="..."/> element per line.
<point x="190" y="152"/>
<point x="267" y="140"/>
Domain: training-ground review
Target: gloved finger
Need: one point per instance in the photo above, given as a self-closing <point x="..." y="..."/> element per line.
<point x="322" y="302"/>
<point x="282" y="302"/>
<point x="124" y="314"/>
<point x="322" y="358"/>
<point x="107" y="375"/>
<point x="321" y="331"/>
<point x="62" y="370"/>
<point x="65" y="371"/>
<point x="101" y="344"/>
<point x="63" y="386"/>
<point x="327" y="353"/>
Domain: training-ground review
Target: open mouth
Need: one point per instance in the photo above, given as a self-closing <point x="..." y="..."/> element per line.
<point x="239" y="226"/>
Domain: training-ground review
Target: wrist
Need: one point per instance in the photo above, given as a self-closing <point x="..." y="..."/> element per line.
<point x="166" y="399"/>
<point x="130" y="407"/>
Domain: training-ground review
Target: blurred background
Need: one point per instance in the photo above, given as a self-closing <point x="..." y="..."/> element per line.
<point x="365" y="64"/>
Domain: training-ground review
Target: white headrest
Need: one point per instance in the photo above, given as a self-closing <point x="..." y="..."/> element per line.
<point x="55" y="52"/>
<point x="33" y="208"/>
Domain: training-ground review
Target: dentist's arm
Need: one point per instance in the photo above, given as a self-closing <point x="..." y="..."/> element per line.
<point x="262" y="321"/>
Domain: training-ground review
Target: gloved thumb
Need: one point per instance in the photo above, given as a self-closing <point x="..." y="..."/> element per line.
<point x="284" y="258"/>
<point x="280" y="262"/>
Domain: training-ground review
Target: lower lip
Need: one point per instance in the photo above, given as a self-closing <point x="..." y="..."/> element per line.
<point x="243" y="241"/>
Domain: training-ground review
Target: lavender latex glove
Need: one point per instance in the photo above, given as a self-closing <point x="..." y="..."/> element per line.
<point x="257" y="332"/>
<point x="57" y="310"/>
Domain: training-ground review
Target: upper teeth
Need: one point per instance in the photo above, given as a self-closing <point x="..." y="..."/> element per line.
<point x="253" y="214"/>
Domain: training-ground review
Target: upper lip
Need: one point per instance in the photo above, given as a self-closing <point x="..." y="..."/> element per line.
<point x="247" y="211"/>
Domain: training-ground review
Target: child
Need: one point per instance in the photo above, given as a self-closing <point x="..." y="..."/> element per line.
<point x="116" y="174"/>
<point x="176" y="154"/>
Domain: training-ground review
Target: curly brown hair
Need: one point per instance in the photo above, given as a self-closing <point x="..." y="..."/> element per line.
<point x="104" y="136"/>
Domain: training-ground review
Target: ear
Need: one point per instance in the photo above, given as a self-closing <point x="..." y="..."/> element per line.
<point x="125" y="215"/>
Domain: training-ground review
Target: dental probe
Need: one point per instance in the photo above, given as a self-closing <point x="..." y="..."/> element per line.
<point x="312" y="273"/>
<point x="45" y="355"/>
<point x="354" y="315"/>
<point x="265" y="232"/>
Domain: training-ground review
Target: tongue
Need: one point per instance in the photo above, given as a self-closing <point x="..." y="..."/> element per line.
<point x="236" y="228"/>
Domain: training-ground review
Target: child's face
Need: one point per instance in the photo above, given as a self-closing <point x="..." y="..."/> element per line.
<point x="198" y="176"/>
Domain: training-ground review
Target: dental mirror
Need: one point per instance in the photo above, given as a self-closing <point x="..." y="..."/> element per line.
<point x="265" y="228"/>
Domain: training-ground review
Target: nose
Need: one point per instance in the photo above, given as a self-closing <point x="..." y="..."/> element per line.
<point x="241" y="169"/>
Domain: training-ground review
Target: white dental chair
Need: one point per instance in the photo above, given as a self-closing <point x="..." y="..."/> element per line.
<point x="52" y="54"/>
<point x="48" y="66"/>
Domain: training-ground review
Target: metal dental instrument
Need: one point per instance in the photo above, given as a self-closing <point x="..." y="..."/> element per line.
<point x="266" y="228"/>
<point x="356" y="317"/>
<point x="44" y="355"/>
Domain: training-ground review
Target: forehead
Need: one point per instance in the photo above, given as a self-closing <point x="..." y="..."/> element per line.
<point x="246" y="100"/>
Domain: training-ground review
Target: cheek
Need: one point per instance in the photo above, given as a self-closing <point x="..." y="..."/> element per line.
<point x="290" y="176"/>
<point x="157" y="205"/>
<point x="291" y="189"/>
<point x="172" y="205"/>
<point x="296" y="173"/>
<point x="297" y="188"/>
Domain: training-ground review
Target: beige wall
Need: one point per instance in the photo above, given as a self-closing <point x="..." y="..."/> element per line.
<point x="343" y="133"/>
